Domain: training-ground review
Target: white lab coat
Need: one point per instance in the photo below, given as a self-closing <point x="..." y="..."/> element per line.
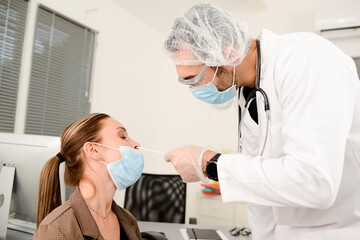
<point x="307" y="183"/>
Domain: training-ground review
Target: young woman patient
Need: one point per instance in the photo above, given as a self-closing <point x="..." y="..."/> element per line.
<point x="99" y="158"/>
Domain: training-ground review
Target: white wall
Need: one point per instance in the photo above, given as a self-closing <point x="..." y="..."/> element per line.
<point x="136" y="84"/>
<point x="281" y="16"/>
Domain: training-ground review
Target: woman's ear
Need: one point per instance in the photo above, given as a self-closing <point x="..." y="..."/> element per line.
<point x="90" y="151"/>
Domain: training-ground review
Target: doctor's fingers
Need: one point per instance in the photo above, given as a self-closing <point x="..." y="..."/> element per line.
<point x="174" y="154"/>
<point x="186" y="169"/>
<point x="182" y="162"/>
<point x="169" y="156"/>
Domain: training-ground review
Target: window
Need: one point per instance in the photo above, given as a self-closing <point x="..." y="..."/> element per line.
<point x="12" y="29"/>
<point x="60" y="74"/>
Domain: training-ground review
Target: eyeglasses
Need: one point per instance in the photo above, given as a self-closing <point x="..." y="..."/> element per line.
<point x="243" y="231"/>
<point x="194" y="80"/>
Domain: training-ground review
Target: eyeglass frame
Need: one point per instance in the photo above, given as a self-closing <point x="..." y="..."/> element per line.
<point x="242" y="231"/>
<point x="194" y="80"/>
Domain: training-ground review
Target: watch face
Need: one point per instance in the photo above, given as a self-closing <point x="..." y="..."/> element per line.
<point x="211" y="170"/>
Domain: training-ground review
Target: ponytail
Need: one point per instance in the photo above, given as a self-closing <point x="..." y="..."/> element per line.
<point x="49" y="196"/>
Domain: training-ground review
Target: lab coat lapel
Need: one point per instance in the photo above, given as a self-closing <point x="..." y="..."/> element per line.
<point x="249" y="130"/>
<point x="266" y="83"/>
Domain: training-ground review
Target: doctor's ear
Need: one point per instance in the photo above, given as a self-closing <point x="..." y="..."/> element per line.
<point x="90" y="150"/>
<point x="232" y="53"/>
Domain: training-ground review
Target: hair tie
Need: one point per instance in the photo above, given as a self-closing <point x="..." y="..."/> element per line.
<point x="61" y="158"/>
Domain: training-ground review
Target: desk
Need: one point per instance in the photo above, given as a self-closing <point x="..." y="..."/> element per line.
<point x="17" y="235"/>
<point x="172" y="230"/>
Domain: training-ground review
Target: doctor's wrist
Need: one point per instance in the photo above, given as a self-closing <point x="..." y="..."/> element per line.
<point x="206" y="158"/>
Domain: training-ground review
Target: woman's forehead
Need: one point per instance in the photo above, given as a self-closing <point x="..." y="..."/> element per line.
<point x="113" y="124"/>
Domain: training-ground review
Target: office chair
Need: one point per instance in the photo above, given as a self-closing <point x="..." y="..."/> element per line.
<point x="157" y="198"/>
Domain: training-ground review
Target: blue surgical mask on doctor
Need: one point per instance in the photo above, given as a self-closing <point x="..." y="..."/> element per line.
<point x="210" y="94"/>
<point x="126" y="171"/>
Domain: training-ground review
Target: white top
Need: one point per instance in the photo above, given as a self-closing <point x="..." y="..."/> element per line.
<point x="307" y="184"/>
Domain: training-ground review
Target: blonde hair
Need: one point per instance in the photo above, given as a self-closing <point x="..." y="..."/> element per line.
<point x="72" y="139"/>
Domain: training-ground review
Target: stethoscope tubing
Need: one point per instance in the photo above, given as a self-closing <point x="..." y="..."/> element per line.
<point x="251" y="97"/>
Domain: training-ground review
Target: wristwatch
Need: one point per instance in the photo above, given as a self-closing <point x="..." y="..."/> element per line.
<point x="211" y="168"/>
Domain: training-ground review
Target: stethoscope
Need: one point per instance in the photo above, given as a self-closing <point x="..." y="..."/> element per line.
<point x="250" y="98"/>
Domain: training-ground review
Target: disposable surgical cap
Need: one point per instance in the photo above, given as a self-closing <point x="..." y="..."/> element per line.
<point x="207" y="35"/>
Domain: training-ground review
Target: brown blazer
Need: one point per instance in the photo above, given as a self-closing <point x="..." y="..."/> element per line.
<point x="73" y="220"/>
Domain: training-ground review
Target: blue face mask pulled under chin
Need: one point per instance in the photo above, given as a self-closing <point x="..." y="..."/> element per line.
<point x="210" y="94"/>
<point x="128" y="170"/>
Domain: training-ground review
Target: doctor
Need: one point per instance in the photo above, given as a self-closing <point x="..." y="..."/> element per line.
<point x="298" y="166"/>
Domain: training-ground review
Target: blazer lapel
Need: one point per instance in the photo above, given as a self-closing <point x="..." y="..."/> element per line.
<point x="125" y="222"/>
<point x="83" y="216"/>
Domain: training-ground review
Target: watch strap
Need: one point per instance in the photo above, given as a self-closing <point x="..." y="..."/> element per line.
<point x="216" y="157"/>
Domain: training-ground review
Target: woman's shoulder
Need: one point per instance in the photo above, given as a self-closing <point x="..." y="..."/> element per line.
<point x="58" y="214"/>
<point x="57" y="224"/>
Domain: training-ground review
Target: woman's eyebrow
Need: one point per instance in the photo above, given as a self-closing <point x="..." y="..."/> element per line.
<point x="122" y="128"/>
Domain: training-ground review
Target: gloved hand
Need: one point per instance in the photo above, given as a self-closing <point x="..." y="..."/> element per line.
<point x="188" y="162"/>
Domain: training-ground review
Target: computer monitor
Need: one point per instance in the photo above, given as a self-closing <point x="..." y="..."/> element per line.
<point x="28" y="153"/>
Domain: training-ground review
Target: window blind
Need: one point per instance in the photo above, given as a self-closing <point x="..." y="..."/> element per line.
<point x="12" y="29"/>
<point x="60" y="74"/>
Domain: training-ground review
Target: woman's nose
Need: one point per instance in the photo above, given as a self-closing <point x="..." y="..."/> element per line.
<point x="135" y="144"/>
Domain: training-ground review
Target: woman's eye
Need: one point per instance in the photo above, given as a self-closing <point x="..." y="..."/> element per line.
<point x="122" y="135"/>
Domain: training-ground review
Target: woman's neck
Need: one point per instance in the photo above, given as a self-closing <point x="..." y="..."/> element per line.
<point x="100" y="199"/>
